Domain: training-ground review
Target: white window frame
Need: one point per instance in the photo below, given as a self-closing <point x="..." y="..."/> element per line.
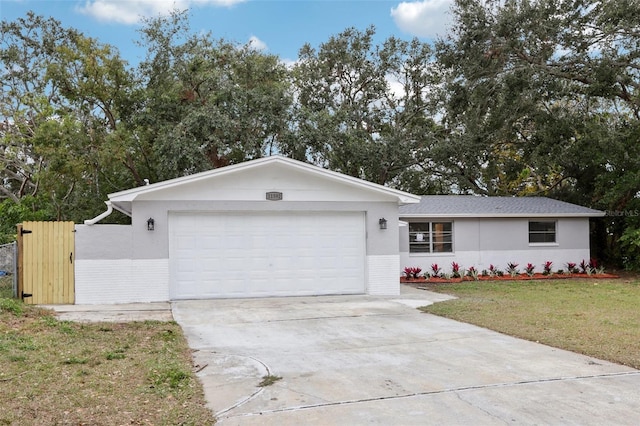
<point x="543" y="243"/>
<point x="430" y="238"/>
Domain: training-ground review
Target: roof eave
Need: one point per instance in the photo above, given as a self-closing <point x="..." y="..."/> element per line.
<point x="122" y="207"/>
<point x="131" y="194"/>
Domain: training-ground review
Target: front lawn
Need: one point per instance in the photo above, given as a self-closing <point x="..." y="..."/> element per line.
<point x="59" y="372"/>
<point x="599" y="318"/>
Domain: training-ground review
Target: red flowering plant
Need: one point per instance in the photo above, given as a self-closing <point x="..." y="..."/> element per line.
<point x="435" y="270"/>
<point x="455" y="270"/>
<point x="571" y="268"/>
<point x="547" y="267"/>
<point x="494" y="272"/>
<point x="529" y="269"/>
<point x="473" y="273"/>
<point x="584" y="267"/>
<point x="412" y="272"/>
<point x="512" y="268"/>
<point x="589" y="268"/>
<point x="593" y="264"/>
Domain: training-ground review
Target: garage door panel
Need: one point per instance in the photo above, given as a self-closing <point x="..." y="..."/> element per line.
<point x="266" y="254"/>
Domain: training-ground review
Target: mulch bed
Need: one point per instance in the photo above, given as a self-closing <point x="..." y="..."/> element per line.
<point x="507" y="277"/>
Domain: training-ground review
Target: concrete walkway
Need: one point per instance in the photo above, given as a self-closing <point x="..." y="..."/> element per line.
<point x="157" y="311"/>
<point x="368" y="360"/>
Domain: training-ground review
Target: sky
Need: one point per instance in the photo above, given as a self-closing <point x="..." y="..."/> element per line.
<point x="279" y="27"/>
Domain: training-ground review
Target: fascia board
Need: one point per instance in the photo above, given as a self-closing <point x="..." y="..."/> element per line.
<point x="121" y="208"/>
<point x="487" y="215"/>
<point x="403" y="197"/>
<point x="131" y="194"/>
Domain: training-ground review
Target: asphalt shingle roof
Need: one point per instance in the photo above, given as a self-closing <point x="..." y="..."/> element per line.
<point x="475" y="206"/>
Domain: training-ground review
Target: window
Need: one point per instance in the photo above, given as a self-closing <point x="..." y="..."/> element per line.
<point x="542" y="232"/>
<point x="430" y="237"/>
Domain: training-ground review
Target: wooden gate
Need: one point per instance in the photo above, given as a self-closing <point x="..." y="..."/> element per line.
<point x="45" y="262"/>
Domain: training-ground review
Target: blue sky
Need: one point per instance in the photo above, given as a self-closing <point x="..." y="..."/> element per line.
<point x="279" y="27"/>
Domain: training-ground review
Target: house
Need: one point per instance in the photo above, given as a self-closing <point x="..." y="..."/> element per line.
<point x="481" y="231"/>
<point x="267" y="227"/>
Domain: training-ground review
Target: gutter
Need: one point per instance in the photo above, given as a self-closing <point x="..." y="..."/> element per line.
<point x="101" y="215"/>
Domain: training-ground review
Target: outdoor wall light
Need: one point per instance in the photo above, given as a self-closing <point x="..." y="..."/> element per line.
<point x="151" y="224"/>
<point x="383" y="223"/>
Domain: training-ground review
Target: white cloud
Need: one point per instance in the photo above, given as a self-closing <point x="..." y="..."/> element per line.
<point x="426" y="18"/>
<point x="289" y="63"/>
<point x="395" y="86"/>
<point x="131" y="11"/>
<point x="257" y="44"/>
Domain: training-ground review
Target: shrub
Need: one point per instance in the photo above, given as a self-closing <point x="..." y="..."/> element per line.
<point x="412" y="271"/>
<point x="473" y="273"/>
<point x="435" y="270"/>
<point x="493" y="271"/>
<point x="584" y="267"/>
<point x="547" y="267"/>
<point x="571" y="268"/>
<point x="593" y="264"/>
<point x="529" y="269"/>
<point x="630" y="247"/>
<point x="455" y="270"/>
<point x="512" y="269"/>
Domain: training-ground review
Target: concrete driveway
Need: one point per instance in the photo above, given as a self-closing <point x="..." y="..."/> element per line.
<point x="371" y="360"/>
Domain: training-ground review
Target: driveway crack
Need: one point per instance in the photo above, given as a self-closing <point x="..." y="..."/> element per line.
<point x="252" y="395"/>
<point x="440" y="392"/>
<point x="335" y="317"/>
<point x="487" y="412"/>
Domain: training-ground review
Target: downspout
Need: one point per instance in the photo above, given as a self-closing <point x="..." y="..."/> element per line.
<point x="101" y="215"/>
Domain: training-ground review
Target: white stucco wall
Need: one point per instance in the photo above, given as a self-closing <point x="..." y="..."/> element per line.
<point x="486" y="241"/>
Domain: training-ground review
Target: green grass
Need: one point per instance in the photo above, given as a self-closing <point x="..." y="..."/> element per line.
<point x="268" y="380"/>
<point x="599" y="318"/>
<point x="6" y="287"/>
<point x="60" y="372"/>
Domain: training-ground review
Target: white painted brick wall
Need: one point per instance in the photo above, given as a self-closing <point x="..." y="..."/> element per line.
<point x="382" y="275"/>
<point x="121" y="281"/>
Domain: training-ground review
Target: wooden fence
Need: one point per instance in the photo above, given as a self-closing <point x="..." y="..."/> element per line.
<point x="46" y="262"/>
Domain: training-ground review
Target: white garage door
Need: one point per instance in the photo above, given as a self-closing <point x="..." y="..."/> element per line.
<point x="266" y="254"/>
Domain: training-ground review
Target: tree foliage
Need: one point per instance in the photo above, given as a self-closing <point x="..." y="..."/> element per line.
<point x="26" y="49"/>
<point x="209" y="103"/>
<point x="63" y="115"/>
<point x="365" y="109"/>
<point x="542" y="98"/>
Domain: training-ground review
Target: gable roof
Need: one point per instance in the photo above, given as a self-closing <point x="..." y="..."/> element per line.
<point x="122" y="200"/>
<point x="476" y="206"/>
